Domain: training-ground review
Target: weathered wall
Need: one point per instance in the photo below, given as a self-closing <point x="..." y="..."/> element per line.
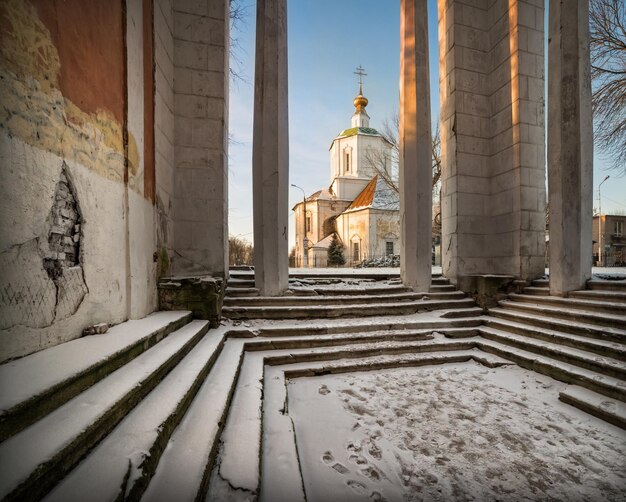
<point x="77" y="231"/>
<point x="492" y="116"/>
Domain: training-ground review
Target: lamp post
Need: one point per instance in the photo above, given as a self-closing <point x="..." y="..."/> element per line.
<point x="600" y="259"/>
<point x="305" y="241"/>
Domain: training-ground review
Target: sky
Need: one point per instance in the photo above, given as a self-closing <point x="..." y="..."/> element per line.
<point x="327" y="40"/>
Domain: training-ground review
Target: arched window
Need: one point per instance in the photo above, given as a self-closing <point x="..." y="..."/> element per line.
<point x="347" y="160"/>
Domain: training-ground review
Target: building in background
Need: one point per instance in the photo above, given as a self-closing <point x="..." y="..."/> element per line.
<point x="612" y="240"/>
<point x="360" y="206"/>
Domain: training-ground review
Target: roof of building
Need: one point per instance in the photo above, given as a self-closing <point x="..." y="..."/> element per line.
<point x="353" y="131"/>
<point x="377" y="194"/>
<point x="325" y="242"/>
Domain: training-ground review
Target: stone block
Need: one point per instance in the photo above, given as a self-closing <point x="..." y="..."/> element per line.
<point x="197" y="7"/>
<point x="215" y="58"/>
<point x="183" y="23"/>
<point x="471" y="204"/>
<point x="488" y="290"/>
<point x="208" y="31"/>
<point x="203" y="295"/>
<point x="471" y="59"/>
<point x="191" y="55"/>
<point x="208" y="83"/>
<point x="186" y="105"/>
<point x="183" y="78"/>
<point x="183" y="131"/>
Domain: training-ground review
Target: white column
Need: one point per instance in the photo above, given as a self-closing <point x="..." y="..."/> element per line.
<point x="270" y="149"/>
<point x="415" y="147"/>
<point x="570" y="146"/>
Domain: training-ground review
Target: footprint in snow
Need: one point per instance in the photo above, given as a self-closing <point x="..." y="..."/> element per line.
<point x="324" y="390"/>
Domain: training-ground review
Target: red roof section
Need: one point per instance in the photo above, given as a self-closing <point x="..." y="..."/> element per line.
<point x="366" y="197"/>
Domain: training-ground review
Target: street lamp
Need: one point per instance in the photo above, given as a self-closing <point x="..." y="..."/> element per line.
<point x="305" y="241"/>
<point x="600" y="259"/>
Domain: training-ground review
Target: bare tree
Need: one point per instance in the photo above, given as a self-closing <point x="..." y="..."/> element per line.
<point x="607" y="24"/>
<point x="387" y="168"/>
<point x="238" y="17"/>
<point x="240" y="251"/>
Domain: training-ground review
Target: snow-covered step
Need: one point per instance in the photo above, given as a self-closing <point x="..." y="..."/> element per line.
<point x="593" y="362"/>
<point x="565" y="372"/>
<point x="537" y="291"/>
<point x="614" y="350"/>
<point x="318" y="341"/>
<point x="341" y="326"/>
<point x="35" y="385"/>
<point x="567" y="326"/>
<point x="573" y="303"/>
<point x="352" y="310"/>
<point x="293" y="300"/>
<point x="35" y="459"/>
<point x="241" y="292"/>
<point x="365" y="350"/>
<point x="120" y="467"/>
<point x="610" y="410"/>
<point x="184" y="467"/>
<point x="352" y="291"/>
<point x="599" y="294"/>
<point x="597" y="284"/>
<point x="240" y="283"/>
<point x="602" y="319"/>
<point x="463" y="312"/>
<point x="443" y="287"/>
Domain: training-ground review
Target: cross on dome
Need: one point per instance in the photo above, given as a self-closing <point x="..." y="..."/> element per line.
<point x="360" y="102"/>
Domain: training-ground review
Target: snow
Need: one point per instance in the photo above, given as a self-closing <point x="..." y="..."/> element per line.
<point x="118" y="461"/>
<point x="21" y="454"/>
<point x="462" y="432"/>
<point x="181" y="469"/>
<point x="32" y="375"/>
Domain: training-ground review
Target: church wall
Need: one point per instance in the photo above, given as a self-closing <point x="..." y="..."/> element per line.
<point x="71" y="157"/>
<point x="493" y="182"/>
<point x="385" y="226"/>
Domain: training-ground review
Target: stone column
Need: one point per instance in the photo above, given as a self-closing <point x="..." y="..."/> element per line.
<point x="200" y="136"/>
<point x="270" y="149"/>
<point x="415" y="147"/>
<point x="570" y="146"/>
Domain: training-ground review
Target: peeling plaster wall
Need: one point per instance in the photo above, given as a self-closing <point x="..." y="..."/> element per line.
<point x="65" y="110"/>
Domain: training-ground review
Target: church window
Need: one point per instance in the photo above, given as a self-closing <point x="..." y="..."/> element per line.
<point x="389" y="248"/>
<point x="355" y="251"/>
<point x="347" y="161"/>
<point x="308" y="223"/>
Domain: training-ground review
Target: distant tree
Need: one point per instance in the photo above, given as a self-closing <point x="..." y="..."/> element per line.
<point x="292" y="257"/>
<point x="240" y="251"/>
<point x="607" y="25"/>
<point x="335" y="253"/>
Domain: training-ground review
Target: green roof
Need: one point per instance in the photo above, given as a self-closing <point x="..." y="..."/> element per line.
<point x="358" y="130"/>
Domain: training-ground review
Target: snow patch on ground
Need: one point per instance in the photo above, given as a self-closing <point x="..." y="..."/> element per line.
<point x="451" y="432"/>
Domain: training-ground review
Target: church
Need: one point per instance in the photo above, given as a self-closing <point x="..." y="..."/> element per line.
<point x="360" y="206"/>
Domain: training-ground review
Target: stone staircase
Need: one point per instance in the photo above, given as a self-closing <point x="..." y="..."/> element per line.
<point x="580" y="340"/>
<point x="165" y="409"/>
<point x="314" y="298"/>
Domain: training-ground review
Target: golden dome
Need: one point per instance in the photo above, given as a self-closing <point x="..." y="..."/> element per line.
<point x="360" y="101"/>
